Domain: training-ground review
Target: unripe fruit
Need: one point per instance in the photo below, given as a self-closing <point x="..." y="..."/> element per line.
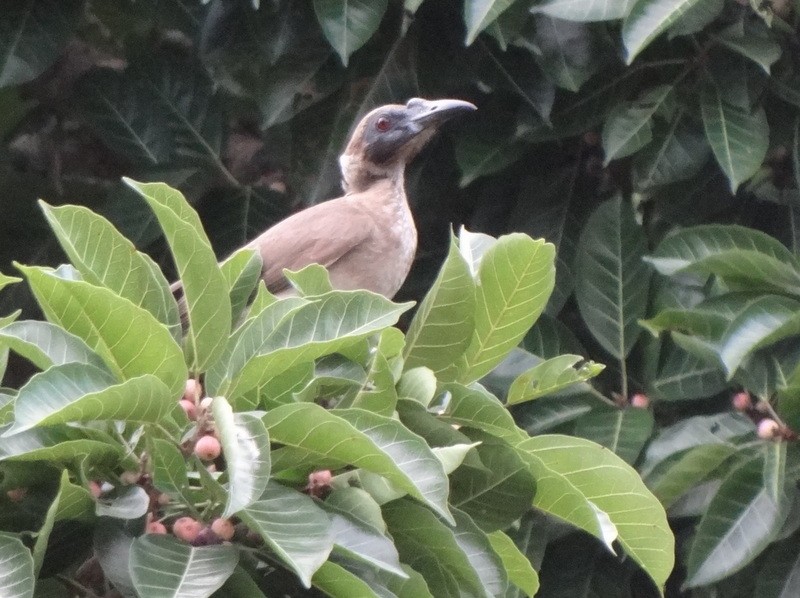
<point x="207" y="448"/>
<point x="640" y="400"/>
<point x="189" y="408"/>
<point x="223" y="528"/>
<point x="192" y="391"/>
<point x="768" y="429"/>
<point x="155" y="527"/>
<point x="17" y="494"/>
<point x="186" y="529"/>
<point x="741" y="401"/>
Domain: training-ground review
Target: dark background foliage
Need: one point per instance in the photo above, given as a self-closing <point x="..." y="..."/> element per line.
<point x="246" y="109"/>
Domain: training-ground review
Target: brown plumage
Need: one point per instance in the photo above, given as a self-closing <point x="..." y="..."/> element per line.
<point x="366" y="238"/>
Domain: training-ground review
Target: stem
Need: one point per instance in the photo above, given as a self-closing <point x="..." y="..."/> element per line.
<point x="623" y="367"/>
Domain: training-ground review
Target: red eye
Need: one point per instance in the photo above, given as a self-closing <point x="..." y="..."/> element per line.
<point x="383" y="124"/>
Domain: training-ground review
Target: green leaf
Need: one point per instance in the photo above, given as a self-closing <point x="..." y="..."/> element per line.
<point x="623" y="431"/>
<point x="752" y="39"/>
<point x="481" y="555"/>
<point x="475" y="407"/>
<point x="615" y="489"/>
<point x="169" y="469"/>
<point x="7" y="280"/>
<point x="738" y="137"/>
<point x="16" y="574"/>
<point x="335" y="580"/>
<point x="566" y="51"/>
<point x="112" y="326"/>
<point x="684" y="376"/>
<point x="242" y="271"/>
<point x="119" y="267"/>
<point x="46" y="344"/>
<point x="628" y="126"/>
<point x="549" y="337"/>
<point x="125" y="502"/>
<point x="514" y="282"/>
<point x="356" y="540"/>
<point x="431" y="548"/>
<point x="443" y="325"/>
<point x="161" y="565"/>
<point x="205" y="291"/>
<point x="245" y="444"/>
<point x="613" y="281"/>
<point x="348" y="24"/>
<point x="778" y="578"/>
<point x="737" y="253"/>
<point x="75" y="392"/>
<point x="679" y="474"/>
<point x="33" y="35"/>
<point x="240" y="585"/>
<point x="61" y="444"/>
<point x="119" y="110"/>
<point x="417" y="384"/>
<point x="294" y="527"/>
<point x="311" y="280"/>
<point x="551" y="376"/>
<point x="763" y="322"/>
<point x="479" y="14"/>
<point x="286" y="334"/>
<point x="584" y="11"/>
<point x="677" y="154"/>
<point x="740" y="521"/>
<point x="478" y="155"/>
<point x="649" y="18"/>
<point x="378" y="444"/>
<point x="520" y="571"/>
<point x="497" y="494"/>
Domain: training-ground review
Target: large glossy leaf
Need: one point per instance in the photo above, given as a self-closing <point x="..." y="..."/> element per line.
<point x="161" y="565"/>
<point x="566" y="51"/>
<point x="684" y="376"/>
<point x="169" y="469"/>
<point x="741" y="520"/>
<point x="443" y="325"/>
<point x="245" y="444"/>
<point x="113" y="327"/>
<point x="678" y="153"/>
<point x="752" y="39"/>
<point x="348" y="24"/>
<point x="551" y="376"/>
<point x="479" y="14"/>
<point x="16" y="568"/>
<point x="580" y="10"/>
<point x="520" y="571"/>
<point x="649" y="18"/>
<point x="78" y="392"/>
<point x="118" y="267"/>
<point x="33" y="33"/>
<point x="780" y="576"/>
<point x="60" y="444"/>
<point x="624" y="431"/>
<point x="378" y="444"/>
<point x="335" y="580"/>
<point x="119" y="110"/>
<point x="613" y="281"/>
<point x="431" y="547"/>
<point x="242" y="271"/>
<point x="738" y="137"/>
<point x="615" y="489"/>
<point x="735" y="252"/>
<point x="680" y="473"/>
<point x="46" y="344"/>
<point x="294" y="527"/>
<point x="628" y="127"/>
<point x="515" y="279"/>
<point x="286" y="334"/>
<point x="6" y="280"/>
<point x="205" y="291"/>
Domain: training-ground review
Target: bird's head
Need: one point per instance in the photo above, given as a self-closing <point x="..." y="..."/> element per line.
<point x="387" y="138"/>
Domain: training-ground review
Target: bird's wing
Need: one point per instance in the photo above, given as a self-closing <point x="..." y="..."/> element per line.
<point x="322" y="234"/>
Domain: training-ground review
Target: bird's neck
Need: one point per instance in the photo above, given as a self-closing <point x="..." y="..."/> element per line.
<point x="359" y="176"/>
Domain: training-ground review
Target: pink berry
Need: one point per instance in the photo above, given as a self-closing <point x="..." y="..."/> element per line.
<point x="741" y="401"/>
<point x="186" y="529"/>
<point x="189" y="407"/>
<point x="95" y="489"/>
<point x="192" y="391"/>
<point x="17" y="494"/>
<point x="207" y="448"/>
<point x="640" y="400"/>
<point x="223" y="528"/>
<point x="768" y="429"/>
<point x="155" y="527"/>
<point x="319" y="483"/>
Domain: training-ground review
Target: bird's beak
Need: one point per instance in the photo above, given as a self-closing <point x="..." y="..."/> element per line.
<point x="432" y="113"/>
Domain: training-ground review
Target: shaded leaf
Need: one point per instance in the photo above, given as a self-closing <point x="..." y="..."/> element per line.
<point x="520" y="571"/>
<point x="348" y="24"/>
<point x="551" y="376"/>
<point x="16" y="572"/>
<point x="46" y="344"/>
<point x="649" y="18"/>
<point x="624" y="431"/>
<point x="479" y="14"/>
<point x="577" y="10"/>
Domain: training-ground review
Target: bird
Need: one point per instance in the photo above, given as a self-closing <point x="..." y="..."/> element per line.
<point x="366" y="239"/>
